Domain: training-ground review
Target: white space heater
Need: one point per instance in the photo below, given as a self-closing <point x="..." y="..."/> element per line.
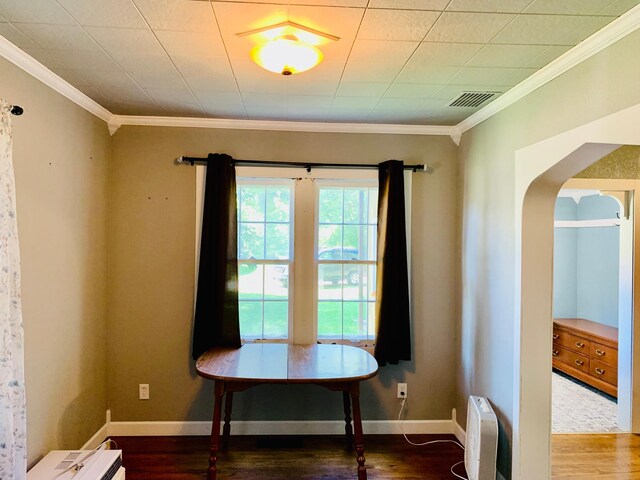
<point x="79" y="465"/>
<point x="482" y="440"/>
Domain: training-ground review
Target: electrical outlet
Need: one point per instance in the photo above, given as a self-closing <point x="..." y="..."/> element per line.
<point x="402" y="390"/>
<point x="143" y="391"/>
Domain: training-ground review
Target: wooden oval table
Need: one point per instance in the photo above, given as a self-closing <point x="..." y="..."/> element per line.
<point x="336" y="367"/>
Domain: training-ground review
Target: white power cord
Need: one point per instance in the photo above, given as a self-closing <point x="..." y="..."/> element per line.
<point x="430" y="442"/>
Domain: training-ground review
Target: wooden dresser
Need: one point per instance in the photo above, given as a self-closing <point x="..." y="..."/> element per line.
<point x="587" y="351"/>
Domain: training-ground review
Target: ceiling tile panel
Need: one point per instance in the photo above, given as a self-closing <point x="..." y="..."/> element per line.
<point x="590" y="26"/>
<point x="619" y="7"/>
<point x="429" y="54"/>
<point x="191" y="43"/>
<point x="488" y="6"/>
<point x="379" y="51"/>
<point x="312" y="87"/>
<point x="567" y="7"/>
<point x="112" y="82"/>
<point x="126" y="40"/>
<point x="264" y="100"/>
<point x="85" y="60"/>
<point x="45" y="57"/>
<point x="217" y="111"/>
<point x="183" y="109"/>
<point x="493" y="55"/>
<point x="410" y="4"/>
<point x="16" y="37"/>
<point x="396" y="24"/>
<point x="111" y="13"/>
<point x="198" y="66"/>
<point x="266" y="113"/>
<point x="3" y="20"/>
<point x="426" y="74"/>
<point x="208" y="99"/>
<point x="152" y="80"/>
<point x="355" y="102"/>
<point x="158" y="63"/>
<point x="59" y="37"/>
<point x="551" y="53"/>
<point x="35" y="11"/>
<point x="353" y="115"/>
<point x="367" y="71"/>
<point x="412" y="90"/>
<point x="179" y="15"/>
<point x="310" y="101"/>
<point x="325" y="3"/>
<point x="391" y="103"/>
<point x="214" y="83"/>
<point x="468" y="27"/>
<point x="538" y="29"/>
<point x="362" y="89"/>
<point x="481" y="76"/>
<point x="316" y="114"/>
<point x="518" y="75"/>
<point x="175" y="95"/>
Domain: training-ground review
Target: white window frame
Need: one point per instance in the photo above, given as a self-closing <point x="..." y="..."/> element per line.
<point x="303" y="321"/>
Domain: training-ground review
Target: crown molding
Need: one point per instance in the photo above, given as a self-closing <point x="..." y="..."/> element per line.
<point x="30" y="65"/>
<point x="603" y="38"/>
<point x="322" y="127"/>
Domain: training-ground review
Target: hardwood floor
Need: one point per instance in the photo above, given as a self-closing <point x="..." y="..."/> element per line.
<point x="300" y="458"/>
<point x="602" y="457"/>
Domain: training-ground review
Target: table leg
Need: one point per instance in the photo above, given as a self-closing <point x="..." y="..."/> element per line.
<point x="354" y="390"/>
<point x="215" y="430"/>
<point x="346" y="401"/>
<point x="226" y="431"/>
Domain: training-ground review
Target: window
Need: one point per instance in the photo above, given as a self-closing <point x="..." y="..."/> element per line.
<point x="264" y="257"/>
<point x="306" y="273"/>
<point x="346" y="260"/>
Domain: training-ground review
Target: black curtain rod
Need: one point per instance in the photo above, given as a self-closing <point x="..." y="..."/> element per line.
<point x="307" y="166"/>
<point x="16" y="110"/>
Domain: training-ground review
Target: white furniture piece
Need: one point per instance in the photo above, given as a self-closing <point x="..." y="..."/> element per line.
<point x="79" y="465"/>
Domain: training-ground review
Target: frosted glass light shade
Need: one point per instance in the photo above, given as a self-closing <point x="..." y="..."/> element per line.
<point x="286" y="55"/>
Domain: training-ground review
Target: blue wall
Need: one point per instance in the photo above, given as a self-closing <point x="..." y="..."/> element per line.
<point x="586" y="262"/>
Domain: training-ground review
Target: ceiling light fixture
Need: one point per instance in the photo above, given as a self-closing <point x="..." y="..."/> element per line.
<point x="288" y="47"/>
<point x="286" y="55"/>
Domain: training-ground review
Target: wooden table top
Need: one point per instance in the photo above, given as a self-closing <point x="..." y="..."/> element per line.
<point x="285" y="363"/>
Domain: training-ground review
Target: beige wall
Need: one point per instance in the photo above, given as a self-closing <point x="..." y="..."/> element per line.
<point x="604" y="84"/>
<point x="151" y="244"/>
<point x="60" y="153"/>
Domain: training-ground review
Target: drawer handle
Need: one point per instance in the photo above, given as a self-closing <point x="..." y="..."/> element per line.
<point x="555" y="353"/>
<point x="599" y="371"/>
<point x="579" y="362"/>
<point x="599" y="352"/>
<point x="555" y="336"/>
<point x="579" y="344"/>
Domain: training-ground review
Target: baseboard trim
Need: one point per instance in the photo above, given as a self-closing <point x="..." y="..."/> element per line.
<point x="460" y="434"/>
<point x="321" y="427"/>
<point x="97" y="438"/>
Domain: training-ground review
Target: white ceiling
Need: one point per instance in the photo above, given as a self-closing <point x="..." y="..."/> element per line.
<point x="397" y="61"/>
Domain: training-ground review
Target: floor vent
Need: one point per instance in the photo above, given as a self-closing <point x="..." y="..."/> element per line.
<point x="471" y="99"/>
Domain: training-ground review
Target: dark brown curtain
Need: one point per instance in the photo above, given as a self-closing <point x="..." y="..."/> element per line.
<point x="393" y="338"/>
<point x="216" y="322"/>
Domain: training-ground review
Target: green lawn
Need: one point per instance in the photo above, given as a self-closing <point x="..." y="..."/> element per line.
<point x="332" y="317"/>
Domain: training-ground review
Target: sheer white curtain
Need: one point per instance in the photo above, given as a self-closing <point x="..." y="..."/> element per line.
<point x="13" y="459"/>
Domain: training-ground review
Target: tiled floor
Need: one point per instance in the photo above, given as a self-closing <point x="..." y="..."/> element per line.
<point x="578" y="408"/>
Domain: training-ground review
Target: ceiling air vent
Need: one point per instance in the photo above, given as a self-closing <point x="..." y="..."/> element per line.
<point x="471" y="99"/>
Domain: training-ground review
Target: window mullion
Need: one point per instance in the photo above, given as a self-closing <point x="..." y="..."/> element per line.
<point x="304" y="324"/>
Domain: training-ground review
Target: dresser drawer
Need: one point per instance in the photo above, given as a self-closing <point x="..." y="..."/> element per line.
<point x="604" y="372"/>
<point x="573" y="359"/>
<point x="604" y="354"/>
<point x="572" y="342"/>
